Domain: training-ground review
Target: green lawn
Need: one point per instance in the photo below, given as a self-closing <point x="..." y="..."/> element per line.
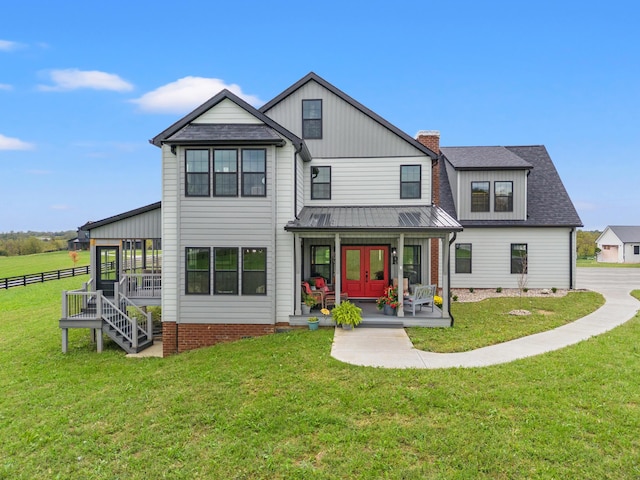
<point x="41" y="262"/>
<point x="581" y="262"/>
<point x="280" y="407"/>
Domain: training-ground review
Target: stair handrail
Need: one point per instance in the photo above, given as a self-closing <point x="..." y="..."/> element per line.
<point x="123" y="324"/>
<point x="146" y="315"/>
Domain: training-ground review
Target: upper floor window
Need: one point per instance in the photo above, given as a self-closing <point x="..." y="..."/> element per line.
<point x="321" y="261"/>
<point x="254" y="173"/>
<point x="312" y="119"/>
<point x="463" y="258"/>
<point x="197" y="173"/>
<point x="320" y="183"/>
<point x="254" y="271"/>
<point x="225" y="173"/>
<point x="519" y="258"/>
<point x="225" y="273"/>
<point x="503" y="201"/>
<point x="636" y="249"/>
<point x="410" y="181"/>
<point x="411" y="263"/>
<point x="479" y="196"/>
<point x="197" y="271"/>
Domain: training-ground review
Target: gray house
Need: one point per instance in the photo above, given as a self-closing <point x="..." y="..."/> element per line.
<point x="619" y="244"/>
<point x="259" y="204"/>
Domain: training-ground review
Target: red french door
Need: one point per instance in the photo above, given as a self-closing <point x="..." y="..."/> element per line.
<point x="365" y="270"/>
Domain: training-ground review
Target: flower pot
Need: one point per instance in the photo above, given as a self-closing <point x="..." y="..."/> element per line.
<point x="306" y="309"/>
<point x="313" y="325"/>
<point x="389" y="310"/>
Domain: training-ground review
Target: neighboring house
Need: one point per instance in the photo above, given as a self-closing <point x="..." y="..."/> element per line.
<point x="516" y="214"/>
<point x="81" y="242"/>
<point x="257" y="201"/>
<point x="619" y="244"/>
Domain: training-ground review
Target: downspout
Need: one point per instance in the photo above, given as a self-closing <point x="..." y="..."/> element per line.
<point x="571" y="258"/>
<point x="453" y="239"/>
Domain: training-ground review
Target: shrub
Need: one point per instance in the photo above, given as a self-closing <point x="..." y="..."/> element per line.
<point x="554" y="289"/>
<point x="471" y="290"/>
<point x="499" y="290"/>
<point x="347" y="314"/>
<point x="455" y="298"/>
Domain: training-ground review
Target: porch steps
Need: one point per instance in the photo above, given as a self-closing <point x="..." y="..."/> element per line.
<point x="381" y="324"/>
<point x="143" y="340"/>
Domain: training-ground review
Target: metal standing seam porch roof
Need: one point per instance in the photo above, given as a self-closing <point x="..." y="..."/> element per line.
<point x="390" y="218"/>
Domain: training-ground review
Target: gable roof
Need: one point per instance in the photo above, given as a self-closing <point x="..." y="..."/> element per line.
<point x="354" y="103"/>
<point x="173" y="134"/>
<point x="484" y="158"/>
<point x="548" y="203"/>
<point x="626" y="234"/>
<point x="131" y="213"/>
<point x="226" y="133"/>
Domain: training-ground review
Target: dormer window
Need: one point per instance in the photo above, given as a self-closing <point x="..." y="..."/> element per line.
<point x="480" y="196"/>
<point x="503" y="201"/>
<point x="312" y="119"/>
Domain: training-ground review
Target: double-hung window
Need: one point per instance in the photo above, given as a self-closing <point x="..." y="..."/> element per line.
<point x="321" y="261"/>
<point x="503" y="196"/>
<point x="321" y="183"/>
<point x="225" y="273"/>
<point x="197" y="271"/>
<point x="410" y="181"/>
<point x="519" y="258"/>
<point x="636" y="249"/>
<point x="225" y="173"/>
<point x="254" y="271"/>
<point x="197" y="173"/>
<point x="463" y="258"/>
<point x="480" y="196"/>
<point x="411" y="263"/>
<point x="254" y="173"/>
<point x="312" y="119"/>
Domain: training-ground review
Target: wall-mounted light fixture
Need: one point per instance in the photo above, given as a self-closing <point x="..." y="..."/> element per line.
<point x="394" y="255"/>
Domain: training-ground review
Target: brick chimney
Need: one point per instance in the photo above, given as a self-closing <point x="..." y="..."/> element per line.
<point x="431" y="140"/>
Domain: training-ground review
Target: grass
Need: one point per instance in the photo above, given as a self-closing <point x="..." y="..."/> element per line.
<point x="41" y="262"/>
<point x="478" y="324"/>
<point x="582" y="262"/>
<point x="280" y="407"/>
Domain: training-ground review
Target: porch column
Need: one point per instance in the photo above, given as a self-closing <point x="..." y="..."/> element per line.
<point x="445" y="274"/>
<point x="297" y="267"/>
<point x="338" y="268"/>
<point x="400" y="270"/>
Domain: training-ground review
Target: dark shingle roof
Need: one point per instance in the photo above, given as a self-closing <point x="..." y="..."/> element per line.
<point x="483" y="158"/>
<point x="405" y="218"/>
<point x="222" y="133"/>
<point x="548" y="203"/>
<point x="626" y="234"/>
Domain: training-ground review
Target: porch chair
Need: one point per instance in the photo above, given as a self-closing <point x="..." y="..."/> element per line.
<point x="330" y="299"/>
<point x="422" y="295"/>
<point x="318" y="295"/>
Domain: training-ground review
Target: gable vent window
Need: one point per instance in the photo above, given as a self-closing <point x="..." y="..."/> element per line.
<point x="312" y="119"/>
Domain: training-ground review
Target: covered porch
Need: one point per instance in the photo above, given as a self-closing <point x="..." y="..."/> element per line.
<point x="361" y="251"/>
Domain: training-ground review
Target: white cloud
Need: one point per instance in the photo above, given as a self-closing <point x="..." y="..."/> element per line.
<point x="6" y="86"/>
<point x="186" y="94"/>
<point x="9" y="143"/>
<point x="7" y="45"/>
<point x="73" y="79"/>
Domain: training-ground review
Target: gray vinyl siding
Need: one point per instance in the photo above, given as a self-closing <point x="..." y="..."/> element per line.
<point x="629" y="256"/>
<point x="549" y="263"/>
<point x="144" y="225"/>
<point x="463" y="203"/>
<point x="171" y="170"/>
<point x="226" y="112"/>
<point x="371" y="181"/>
<point x="346" y="131"/>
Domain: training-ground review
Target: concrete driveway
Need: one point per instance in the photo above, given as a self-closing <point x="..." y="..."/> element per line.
<point x="391" y="348"/>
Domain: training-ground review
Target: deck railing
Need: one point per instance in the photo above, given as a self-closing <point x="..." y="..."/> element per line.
<point x="141" y="285"/>
<point x="82" y="304"/>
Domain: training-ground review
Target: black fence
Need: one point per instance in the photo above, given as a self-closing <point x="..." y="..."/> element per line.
<point x="24" y="280"/>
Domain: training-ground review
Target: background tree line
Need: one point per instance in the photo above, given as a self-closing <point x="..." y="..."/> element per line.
<point x="28" y="243"/>
<point x="586" y="243"/>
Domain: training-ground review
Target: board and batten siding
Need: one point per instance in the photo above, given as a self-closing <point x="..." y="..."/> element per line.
<point x="346" y="131"/>
<point x="142" y="226"/>
<point x="462" y="199"/>
<point x="227" y="112"/>
<point x="550" y="260"/>
<point x="368" y="181"/>
<point x="171" y="168"/>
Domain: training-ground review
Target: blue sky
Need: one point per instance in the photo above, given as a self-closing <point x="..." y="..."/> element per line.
<point x="85" y="85"/>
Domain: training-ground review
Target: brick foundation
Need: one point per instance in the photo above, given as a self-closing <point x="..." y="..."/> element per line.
<point x="178" y="338"/>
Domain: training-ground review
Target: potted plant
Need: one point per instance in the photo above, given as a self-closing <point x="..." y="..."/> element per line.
<point x="347" y="314"/>
<point x="389" y="301"/>
<point x="313" y="323"/>
<point x="308" y="302"/>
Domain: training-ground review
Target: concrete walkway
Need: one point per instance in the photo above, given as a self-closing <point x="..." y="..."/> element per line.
<point x="391" y="347"/>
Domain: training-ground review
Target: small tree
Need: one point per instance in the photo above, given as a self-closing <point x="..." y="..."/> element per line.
<point x="75" y="256"/>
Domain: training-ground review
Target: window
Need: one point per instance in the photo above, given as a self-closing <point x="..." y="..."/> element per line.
<point x="636" y="249"/>
<point x="519" y="258"/>
<point x="320" y="183"/>
<point x="254" y="271"/>
<point x="225" y="173"/>
<point x="225" y="271"/>
<point x="197" y="277"/>
<point x="463" y="258"/>
<point x="503" y="196"/>
<point x="254" y="173"/>
<point x="410" y="184"/>
<point x="321" y="261"/>
<point x="411" y="263"/>
<point x="479" y="196"/>
<point x="197" y="171"/>
<point x="312" y="119"/>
